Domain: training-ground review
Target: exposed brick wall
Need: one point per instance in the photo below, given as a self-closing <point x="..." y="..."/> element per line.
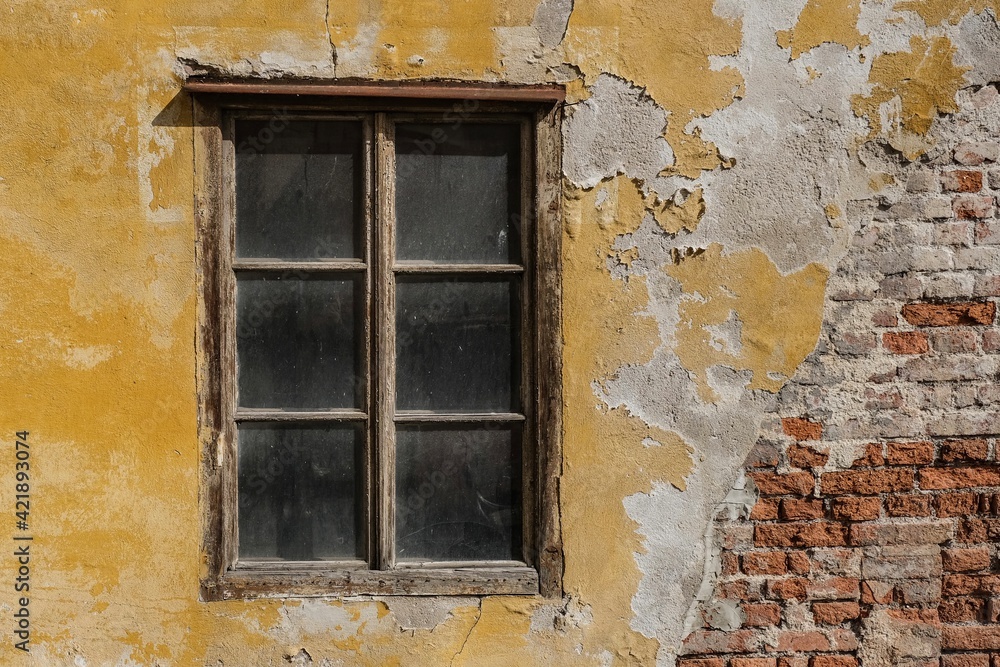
<point x="874" y="539"/>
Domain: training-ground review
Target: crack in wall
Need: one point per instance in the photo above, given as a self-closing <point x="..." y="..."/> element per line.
<point x="465" y="642"/>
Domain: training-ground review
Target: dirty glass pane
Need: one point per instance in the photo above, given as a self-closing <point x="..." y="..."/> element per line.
<point x="458" y="493"/>
<point x="298" y="342"/>
<point x="458" y="192"/>
<point x="455" y="345"/>
<point x="300" y="492"/>
<point x="298" y="189"/>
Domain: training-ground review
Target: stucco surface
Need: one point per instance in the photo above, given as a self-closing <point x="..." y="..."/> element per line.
<point x="719" y="156"/>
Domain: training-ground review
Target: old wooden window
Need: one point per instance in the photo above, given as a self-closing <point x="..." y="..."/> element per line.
<point x="381" y="388"/>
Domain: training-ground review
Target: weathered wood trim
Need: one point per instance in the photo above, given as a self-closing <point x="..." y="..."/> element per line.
<point x="548" y="372"/>
<point x="207" y="139"/>
<point x="223" y="577"/>
<point x="267" y="582"/>
<point x="427" y="90"/>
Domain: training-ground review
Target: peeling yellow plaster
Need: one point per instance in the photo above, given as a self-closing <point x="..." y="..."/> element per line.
<point x="821" y="22"/>
<point x="936" y="12"/>
<point x="910" y="89"/>
<point x="425" y="37"/>
<point x="605" y="328"/>
<point x="779" y="316"/>
<point x="673" y="217"/>
<point x="665" y="48"/>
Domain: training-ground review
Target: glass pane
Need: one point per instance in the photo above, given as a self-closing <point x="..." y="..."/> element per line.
<point x="298" y="189"/>
<point x="455" y="345"/>
<point x="458" y="192"/>
<point x="300" y="492"/>
<point x="458" y="493"/>
<point x="298" y="342"/>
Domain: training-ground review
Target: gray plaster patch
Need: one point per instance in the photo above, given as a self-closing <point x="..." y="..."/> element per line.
<point x="617" y="130"/>
<point x="423" y="613"/>
<point x="551" y="19"/>
<point x="977" y="47"/>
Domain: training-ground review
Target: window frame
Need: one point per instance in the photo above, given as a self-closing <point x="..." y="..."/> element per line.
<point x="215" y="103"/>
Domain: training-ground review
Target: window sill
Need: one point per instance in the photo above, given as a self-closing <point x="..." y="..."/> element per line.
<point x="291" y="580"/>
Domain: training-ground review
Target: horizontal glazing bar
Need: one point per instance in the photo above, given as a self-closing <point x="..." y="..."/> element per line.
<point x="431" y="267"/>
<point x="414" y="416"/>
<point x="419" y="565"/>
<point x="278" y="565"/>
<point x="281" y="265"/>
<point x="262" y="415"/>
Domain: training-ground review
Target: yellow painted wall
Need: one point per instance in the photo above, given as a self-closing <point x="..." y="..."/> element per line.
<point x="98" y="305"/>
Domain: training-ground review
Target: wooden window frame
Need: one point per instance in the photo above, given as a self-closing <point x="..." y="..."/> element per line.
<point x="214" y="104"/>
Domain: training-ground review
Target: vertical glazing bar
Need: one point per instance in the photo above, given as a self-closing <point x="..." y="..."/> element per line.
<point x="367" y="460"/>
<point x="385" y="344"/>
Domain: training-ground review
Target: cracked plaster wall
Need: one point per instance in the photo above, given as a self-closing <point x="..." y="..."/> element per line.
<point x="719" y="156"/>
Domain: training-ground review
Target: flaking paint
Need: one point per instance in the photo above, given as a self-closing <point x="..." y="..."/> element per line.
<point x="671" y="294"/>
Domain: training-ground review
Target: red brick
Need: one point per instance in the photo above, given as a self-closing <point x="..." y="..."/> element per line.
<point x="972" y="531"/>
<point x="874" y="592"/>
<point x="753" y="662"/>
<point x="974" y="153"/>
<point x="923" y="532"/>
<point x="966" y="449"/>
<point x="765" y="454"/>
<point x="734" y="590"/>
<point x="962" y="180"/>
<point x="764" y="562"/>
<point x="973" y="207"/>
<point x="949" y="314"/>
<point x="788" y="484"/>
<point x="905" y="342"/>
<point x="959" y="638"/>
<point x="961" y="609"/>
<point x="969" y="584"/>
<point x="793" y="661"/>
<point x="765" y="509"/>
<point x="954" y="341"/>
<point x="866" y="482"/>
<point x="965" y="560"/>
<point x="966" y="660"/>
<point x="794" y="509"/>
<point x="833" y="661"/>
<point x="910" y="453"/>
<point x="915" y="615"/>
<point x="835" y="613"/>
<point x="959" y="478"/>
<point x="802" y="642"/>
<point x="762" y="615"/>
<point x="885" y="318"/>
<point x="871" y="458"/>
<point x="857" y="509"/>
<point x="801" y="428"/>
<point x="955" y="504"/>
<point x="834" y="588"/>
<point x="798" y="563"/>
<point x="795" y="588"/>
<point x="703" y="642"/>
<point x="908" y="505"/>
<point x="817" y="534"/>
<point x="701" y="662"/>
<point x="807" y="457"/>
<point x="991" y="340"/>
<point x="730" y="564"/>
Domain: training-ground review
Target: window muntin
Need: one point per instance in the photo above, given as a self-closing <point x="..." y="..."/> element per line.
<point x="371" y="565"/>
<point x="402" y="311"/>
